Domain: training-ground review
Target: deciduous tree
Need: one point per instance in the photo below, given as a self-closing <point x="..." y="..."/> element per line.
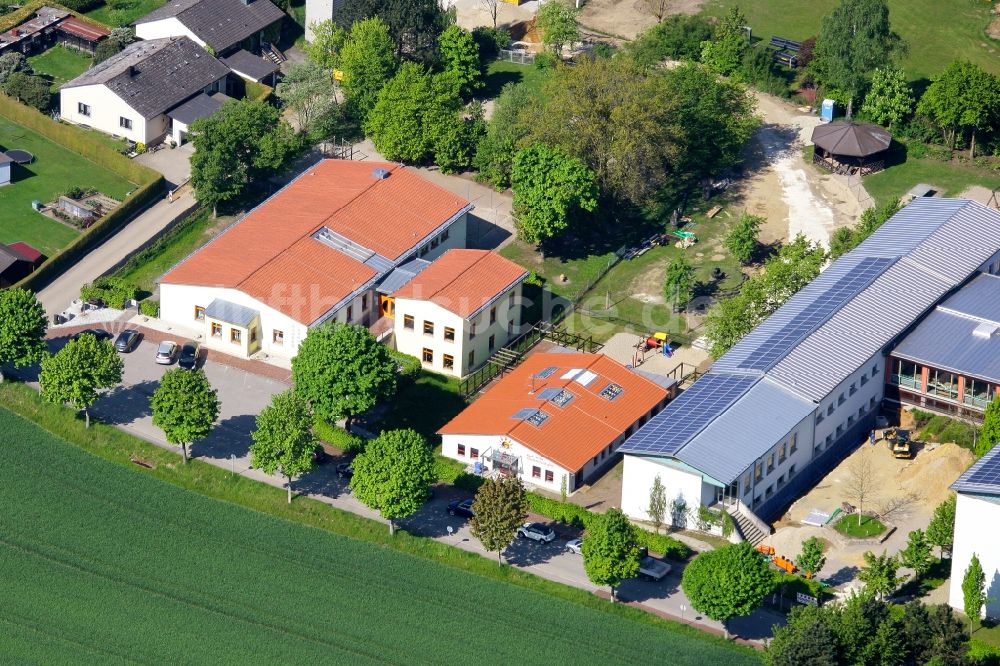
<point x="677" y="37"/>
<point x="811" y="558"/>
<point x="324" y="49"/>
<point x="808" y="637"/>
<point x="890" y="100"/>
<point x="185" y="407"/>
<point x="455" y="146"/>
<point x="22" y="328"/>
<point x="678" y="284"/>
<point x="854" y="39"/>
<point x="741" y="241"/>
<point x="989" y="434"/>
<point x="78" y="371"/>
<point x="413" y="25"/>
<point x="726" y="582"/>
<point x="29" y="89"/>
<point x="933" y="635"/>
<point x="500" y="508"/>
<point x="11" y="62"/>
<point x="557" y="21"/>
<point x="657" y="509"/>
<point x="963" y="97"/>
<point x="941" y="530"/>
<point x="917" y="554"/>
<point x="393" y="475"/>
<point x="307" y="90"/>
<point x="879" y="574"/>
<point x="492" y="7"/>
<point x="368" y="61"/>
<point x="495" y="152"/>
<point x="550" y="190"/>
<point x="610" y="551"/>
<point x="342" y="371"/>
<point x="724" y="52"/>
<point x="283" y="440"/>
<point x="861" y="481"/>
<point x="460" y="60"/>
<point x="658" y="8"/>
<point x="974" y="590"/>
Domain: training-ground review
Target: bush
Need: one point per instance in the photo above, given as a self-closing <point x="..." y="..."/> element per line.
<point x="791" y="584"/>
<point x="149" y="308"/>
<point x="545" y="61"/>
<point x="82" y="5"/>
<point x="678" y="37"/>
<point x="338" y="438"/>
<point x="115" y="292"/>
<point x="409" y="366"/>
<point x="490" y="41"/>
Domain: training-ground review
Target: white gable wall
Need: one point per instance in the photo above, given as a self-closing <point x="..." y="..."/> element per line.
<point x="977" y="530"/>
<point x="168" y="27"/>
<point x="680" y="485"/>
<point x="106" y="110"/>
<point x="317" y="11"/>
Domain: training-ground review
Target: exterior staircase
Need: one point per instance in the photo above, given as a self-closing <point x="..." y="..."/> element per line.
<point x="750" y="527"/>
<point x="270" y="52"/>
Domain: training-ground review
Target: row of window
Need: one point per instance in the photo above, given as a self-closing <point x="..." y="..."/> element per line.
<point x="85" y="110"/>
<point x="943" y="384"/>
<point x="447" y="360"/>
<point x="784" y="450"/>
<point x="842" y="398"/>
<point x="843" y="427"/>
<point x="603" y="454"/>
<point x="438" y="240"/>
<point x="235" y="334"/>
<point x="769" y="491"/>
<point x="349" y="314"/>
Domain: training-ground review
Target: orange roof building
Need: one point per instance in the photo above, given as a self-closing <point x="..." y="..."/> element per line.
<point x="460" y="309"/>
<point x="317" y="251"/>
<point x="558" y="415"/>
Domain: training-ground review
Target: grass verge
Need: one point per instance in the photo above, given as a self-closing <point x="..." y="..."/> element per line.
<point x="111" y="488"/>
<point x="950" y="178"/>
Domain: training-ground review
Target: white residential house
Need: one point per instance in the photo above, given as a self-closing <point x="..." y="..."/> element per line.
<point x="224" y="26"/>
<point x="317" y="251"/>
<point x="132" y="93"/>
<point x="977" y="530"/>
<point x="455" y="313"/>
<point x="558" y="417"/>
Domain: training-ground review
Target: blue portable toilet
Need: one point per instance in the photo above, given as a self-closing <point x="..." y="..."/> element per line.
<point x="826" y="110"/>
<point x="478" y="468"/>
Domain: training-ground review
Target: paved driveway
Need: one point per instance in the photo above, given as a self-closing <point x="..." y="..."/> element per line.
<point x="173" y="163"/>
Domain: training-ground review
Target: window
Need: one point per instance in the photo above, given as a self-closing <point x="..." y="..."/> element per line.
<point x="871" y="403"/>
<point x="124" y="123"/>
<point x="278" y="337"/>
<point x="216" y="330"/>
<point x="493" y="342"/>
<point x="781" y="454"/>
<point x="434" y="243"/>
<point x="472" y="330"/>
<point x="841" y="399"/>
<point x="461" y="450"/>
<point x="536" y="472"/>
<point x="864" y="379"/>
<point x="861" y="412"/>
<point x="840" y="430"/>
<point x="944" y="384"/>
<point x="510" y="300"/>
<point x="819" y="419"/>
<point x="759" y="472"/>
<point x="474" y="453"/>
<point x="829" y="410"/>
<point x="792" y="445"/>
<point x="850" y="420"/>
<point x="905" y="374"/>
<point x="253" y="334"/>
<point x="423" y="250"/>
<point x="791" y="471"/>
<point x="746" y="484"/>
<point x="444" y="235"/>
<point x="977" y="393"/>
<point x="510" y="327"/>
<point x="472" y="359"/>
<point x="83" y="109"/>
<point x="448" y="362"/>
<point x="364" y="302"/>
<point x="874" y="371"/>
<point x="449" y="333"/>
<point x="829" y="439"/>
<point x="493" y="314"/>
<point x="770" y="463"/>
<point x="235" y="336"/>
<point x="428" y="327"/>
<point x="852" y="390"/>
<point x="549" y="476"/>
<point x="594" y="461"/>
<point x="350" y="314"/>
<point x="781" y="480"/>
<point x="199" y="313"/>
<point x="769" y="492"/>
<point x="408" y="321"/>
<point x="428" y="355"/>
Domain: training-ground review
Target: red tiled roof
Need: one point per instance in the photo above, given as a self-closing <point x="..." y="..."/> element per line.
<point x="84" y="30"/>
<point x="575" y="433"/>
<point x="462" y="281"/>
<point x="29" y="253"/>
<point x="270" y="253"/>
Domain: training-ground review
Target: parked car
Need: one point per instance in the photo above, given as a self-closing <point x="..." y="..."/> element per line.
<point x="653" y="569"/>
<point x="96" y="332"/>
<point x="461" y="508"/>
<point x="128" y="340"/>
<point x="536" y="532"/>
<point x="575" y="546"/>
<point x="345" y="470"/>
<point x="166" y="353"/>
<point x="319" y="455"/>
<point x="190" y="355"/>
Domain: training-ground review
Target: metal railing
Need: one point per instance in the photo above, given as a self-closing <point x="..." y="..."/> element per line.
<point x="516" y="56"/>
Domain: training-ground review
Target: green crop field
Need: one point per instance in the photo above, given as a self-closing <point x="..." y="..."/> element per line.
<point x="937" y="31"/>
<point x="102" y="563"/>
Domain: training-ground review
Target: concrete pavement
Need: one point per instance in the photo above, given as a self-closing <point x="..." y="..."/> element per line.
<point x="140" y="231"/>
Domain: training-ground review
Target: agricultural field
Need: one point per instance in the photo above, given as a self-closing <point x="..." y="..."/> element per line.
<point x="104" y="563"/>
<point x="937" y="32"/>
<point x="54" y="170"/>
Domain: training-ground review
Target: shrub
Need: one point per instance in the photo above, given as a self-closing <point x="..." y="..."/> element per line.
<point x="791" y="584"/>
<point x="490" y="41"/>
<point x="149" y="308"/>
<point x="453" y="472"/>
<point x="114" y="291"/>
<point x="338" y="438"/>
<point x="545" y="61"/>
<point x="409" y="366"/>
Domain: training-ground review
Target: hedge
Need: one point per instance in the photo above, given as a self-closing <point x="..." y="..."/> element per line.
<point x="573" y="514"/>
<point x="114" y="291"/>
<point x="21" y="15"/>
<point x="337" y="437"/>
<point x="453" y="472"/>
<point x="790" y="584"/>
<point x="409" y="366"/>
<point x="73" y="138"/>
<point x="149" y="308"/>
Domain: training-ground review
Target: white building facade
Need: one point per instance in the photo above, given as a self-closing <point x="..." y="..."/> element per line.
<point x="977" y="531"/>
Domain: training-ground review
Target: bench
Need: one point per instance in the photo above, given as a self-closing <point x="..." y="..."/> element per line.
<point x="783" y="44"/>
<point x="787" y="59"/>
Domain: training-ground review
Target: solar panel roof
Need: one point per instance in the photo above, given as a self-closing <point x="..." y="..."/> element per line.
<point x="547" y="372"/>
<point x="549" y="393"/>
<point x="686" y="416"/>
<point x="523" y="413"/>
<point x="983" y="477"/>
<point x="815" y="314"/>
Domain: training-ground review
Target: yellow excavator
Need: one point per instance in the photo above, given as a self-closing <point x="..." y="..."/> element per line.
<point x="898" y="441"/>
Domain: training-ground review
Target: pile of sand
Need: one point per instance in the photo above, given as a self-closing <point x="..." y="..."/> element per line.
<point x="931" y="472"/>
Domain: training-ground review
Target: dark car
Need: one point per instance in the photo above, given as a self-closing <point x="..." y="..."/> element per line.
<point x="127" y="340"/>
<point x="166" y="352"/>
<point x="96" y="332"/>
<point x="190" y="354"/>
<point x="461" y="508"/>
<point x="345" y="470"/>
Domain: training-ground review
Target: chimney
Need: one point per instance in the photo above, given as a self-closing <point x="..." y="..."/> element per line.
<point x="131" y="71"/>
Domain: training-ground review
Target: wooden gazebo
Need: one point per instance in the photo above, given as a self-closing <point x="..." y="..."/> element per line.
<point x="850" y="148"/>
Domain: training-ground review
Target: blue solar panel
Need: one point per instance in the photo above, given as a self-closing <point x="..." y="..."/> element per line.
<point x="817" y="313"/>
<point x="686" y="416"/>
<point x="984" y="475"/>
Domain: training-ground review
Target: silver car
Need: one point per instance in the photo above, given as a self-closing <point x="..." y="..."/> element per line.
<point x="166" y="353"/>
<point x="575" y="546"/>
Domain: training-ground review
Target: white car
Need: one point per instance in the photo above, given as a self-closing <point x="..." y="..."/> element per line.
<point x="536" y="532"/>
<point x="575" y="546"/>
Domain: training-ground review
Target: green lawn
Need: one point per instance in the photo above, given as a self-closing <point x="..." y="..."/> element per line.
<point x="869" y="527"/>
<point x="500" y="72"/>
<point x="104" y="562"/>
<point x="60" y="64"/>
<point x="937" y="32"/>
<point x="425" y="405"/>
<point x="953" y="178"/>
<point x="103" y="13"/>
<point x="939" y="428"/>
<point x="54" y="171"/>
